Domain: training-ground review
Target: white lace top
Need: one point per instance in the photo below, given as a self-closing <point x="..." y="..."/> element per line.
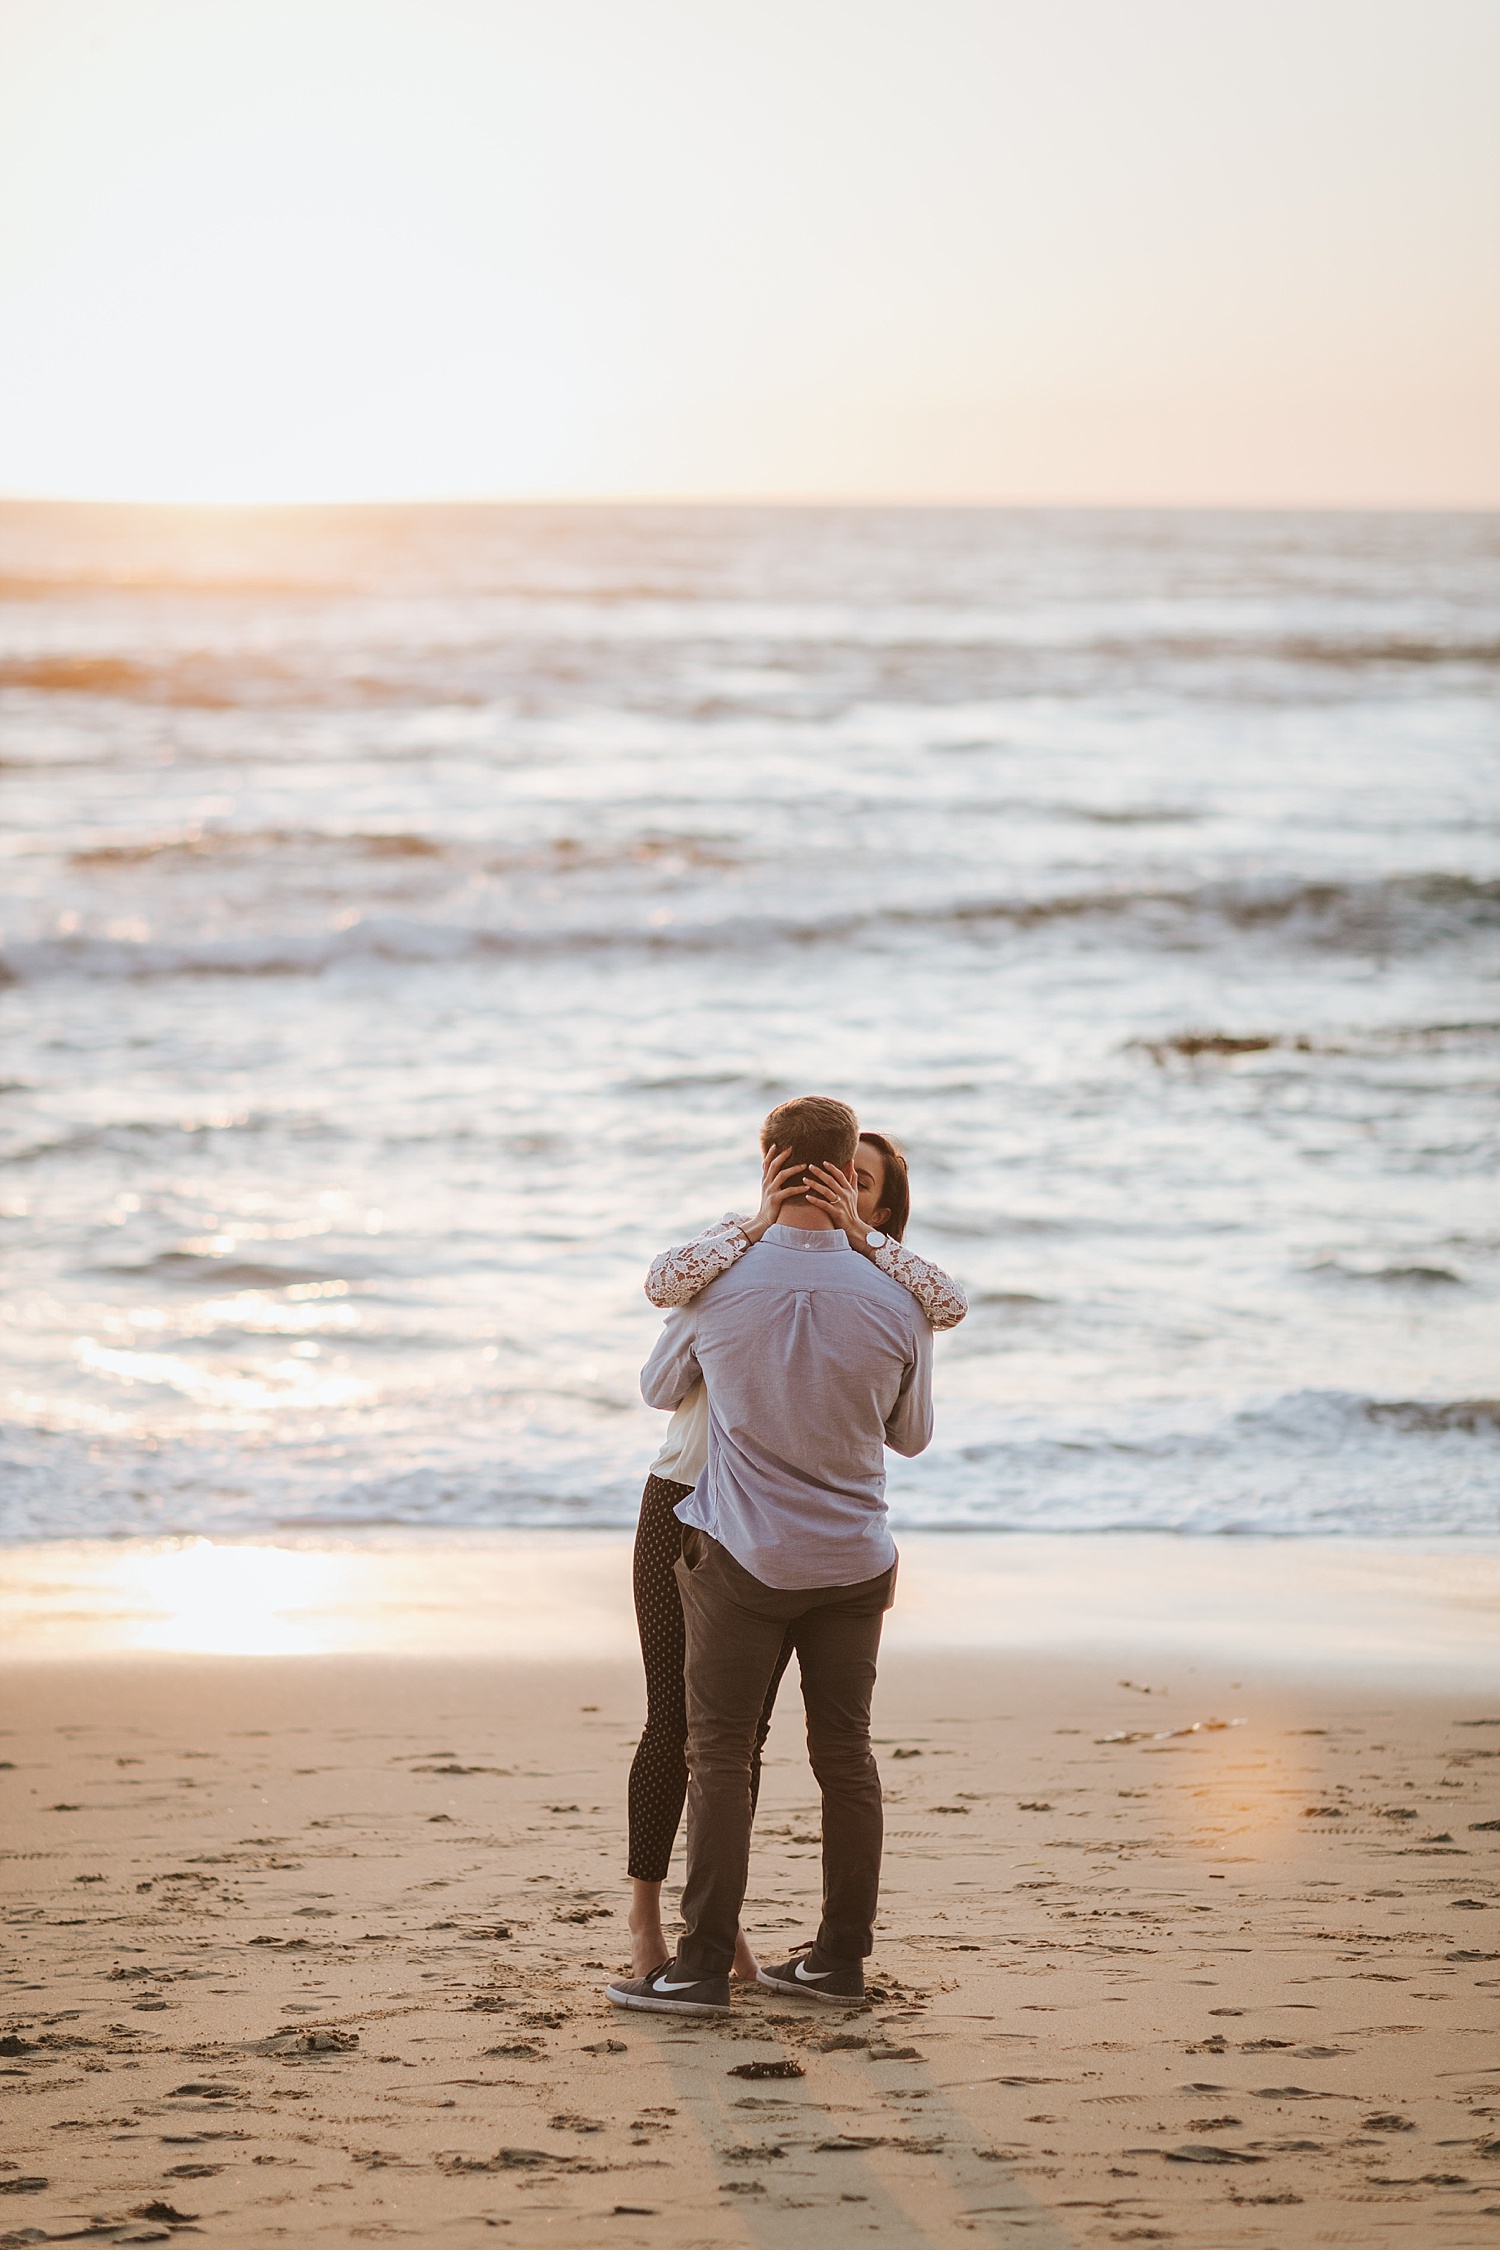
<point x="677" y="1275"/>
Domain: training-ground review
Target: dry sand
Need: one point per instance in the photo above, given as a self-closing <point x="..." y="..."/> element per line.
<point x="305" y="1948"/>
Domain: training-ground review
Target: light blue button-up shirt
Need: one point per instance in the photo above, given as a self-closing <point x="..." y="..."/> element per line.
<point x="814" y="1362"/>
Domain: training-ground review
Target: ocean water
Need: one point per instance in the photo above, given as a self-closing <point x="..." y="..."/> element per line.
<point x="410" y="914"/>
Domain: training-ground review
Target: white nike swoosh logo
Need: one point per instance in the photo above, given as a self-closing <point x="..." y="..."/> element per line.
<point x="805" y="1975"/>
<point x="662" y="1986"/>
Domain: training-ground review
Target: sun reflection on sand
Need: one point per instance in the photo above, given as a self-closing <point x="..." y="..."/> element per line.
<point x="232" y="1601"/>
<point x="517" y="1595"/>
<point x="538" y="1595"/>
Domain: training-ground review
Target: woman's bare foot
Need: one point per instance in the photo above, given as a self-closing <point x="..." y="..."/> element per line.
<point x="648" y="1943"/>
<point x="648" y="1950"/>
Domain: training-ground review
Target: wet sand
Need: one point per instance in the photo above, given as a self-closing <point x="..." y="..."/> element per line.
<point x="306" y="1947"/>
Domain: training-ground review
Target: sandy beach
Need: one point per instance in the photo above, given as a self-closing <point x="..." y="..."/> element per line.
<point x="308" y="1946"/>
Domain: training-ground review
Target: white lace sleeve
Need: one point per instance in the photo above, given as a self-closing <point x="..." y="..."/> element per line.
<point x="938" y="1294"/>
<point x="679" y="1274"/>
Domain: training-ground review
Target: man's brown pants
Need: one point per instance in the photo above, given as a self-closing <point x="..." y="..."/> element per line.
<point x="735" y="1630"/>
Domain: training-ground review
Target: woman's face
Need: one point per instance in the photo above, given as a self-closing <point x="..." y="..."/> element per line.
<point x="869" y="1175"/>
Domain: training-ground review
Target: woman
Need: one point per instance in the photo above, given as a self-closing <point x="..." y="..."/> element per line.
<point x="873" y="1214"/>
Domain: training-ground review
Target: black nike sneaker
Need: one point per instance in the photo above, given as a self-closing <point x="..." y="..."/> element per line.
<point x="673" y="1992"/>
<point x="817" y="1976"/>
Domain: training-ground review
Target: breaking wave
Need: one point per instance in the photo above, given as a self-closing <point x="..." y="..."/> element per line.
<point x="1399" y="915"/>
<point x="987" y="650"/>
<point x="1314" y="1463"/>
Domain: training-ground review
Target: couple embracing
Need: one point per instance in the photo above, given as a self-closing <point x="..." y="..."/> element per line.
<point x="798" y="1349"/>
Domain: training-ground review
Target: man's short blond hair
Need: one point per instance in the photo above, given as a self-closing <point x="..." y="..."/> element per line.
<point x="814" y="1129"/>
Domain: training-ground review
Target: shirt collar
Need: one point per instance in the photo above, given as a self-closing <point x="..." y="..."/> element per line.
<point x="807" y="1238"/>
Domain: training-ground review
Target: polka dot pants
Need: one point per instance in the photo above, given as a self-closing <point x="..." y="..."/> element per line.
<point x="658" y="1776"/>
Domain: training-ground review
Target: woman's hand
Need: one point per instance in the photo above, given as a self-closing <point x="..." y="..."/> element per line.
<point x="832" y="1192"/>
<point x="779" y="1178"/>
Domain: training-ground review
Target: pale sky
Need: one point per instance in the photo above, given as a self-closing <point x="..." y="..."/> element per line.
<point x="1173" y="251"/>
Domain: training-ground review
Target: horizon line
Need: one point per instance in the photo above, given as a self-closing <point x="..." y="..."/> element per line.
<point x="789" y="501"/>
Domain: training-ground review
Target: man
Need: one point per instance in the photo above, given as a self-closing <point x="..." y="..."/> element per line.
<point x="813" y="1361"/>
